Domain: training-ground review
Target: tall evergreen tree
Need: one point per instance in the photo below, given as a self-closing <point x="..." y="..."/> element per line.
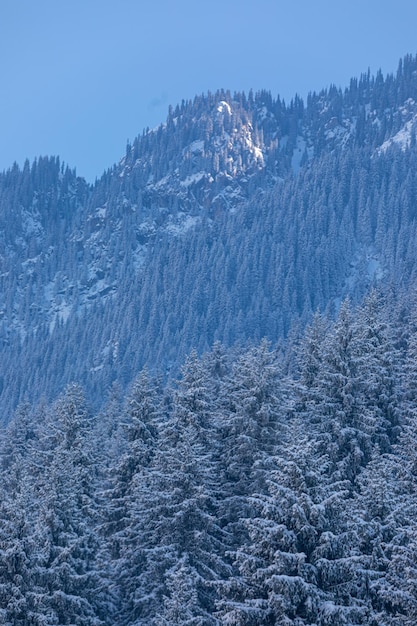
<point x="71" y="590"/>
<point x="172" y="512"/>
<point x="121" y="538"/>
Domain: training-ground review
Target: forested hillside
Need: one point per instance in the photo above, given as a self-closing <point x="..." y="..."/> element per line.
<point x="237" y="219"/>
<point x="208" y="369"/>
<point x="265" y="486"/>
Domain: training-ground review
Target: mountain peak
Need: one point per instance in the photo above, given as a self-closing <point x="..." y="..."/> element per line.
<point x="236" y="216"/>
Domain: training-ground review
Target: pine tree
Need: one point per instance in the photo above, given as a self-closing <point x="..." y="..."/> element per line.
<point x="174" y="509"/>
<point x="252" y="428"/>
<point x="121" y="539"/>
<point x="71" y="590"/>
<point x="19" y="505"/>
<point x="275" y="579"/>
<point x="338" y="409"/>
<point x="181" y="605"/>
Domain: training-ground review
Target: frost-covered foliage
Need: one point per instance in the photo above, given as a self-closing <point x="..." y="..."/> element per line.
<point x="262" y="256"/>
<point x="237" y="219"/>
<point x="248" y="492"/>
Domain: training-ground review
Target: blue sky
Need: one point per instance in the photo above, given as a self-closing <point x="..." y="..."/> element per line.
<point x="80" y="77"/>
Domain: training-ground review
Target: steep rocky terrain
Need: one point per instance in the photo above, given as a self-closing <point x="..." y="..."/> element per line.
<point x="237" y="218"/>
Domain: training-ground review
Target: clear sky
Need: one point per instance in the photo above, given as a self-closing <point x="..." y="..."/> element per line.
<point x="80" y="77"/>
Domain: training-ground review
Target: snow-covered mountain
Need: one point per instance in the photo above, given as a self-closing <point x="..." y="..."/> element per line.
<point x="238" y="216"/>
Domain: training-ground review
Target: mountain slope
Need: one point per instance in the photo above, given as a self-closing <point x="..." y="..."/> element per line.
<point x="235" y="219"/>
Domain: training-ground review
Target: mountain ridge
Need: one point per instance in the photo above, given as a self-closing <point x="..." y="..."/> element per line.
<point x="210" y="182"/>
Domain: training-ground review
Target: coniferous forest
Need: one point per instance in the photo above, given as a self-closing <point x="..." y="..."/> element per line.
<point x="208" y="372"/>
